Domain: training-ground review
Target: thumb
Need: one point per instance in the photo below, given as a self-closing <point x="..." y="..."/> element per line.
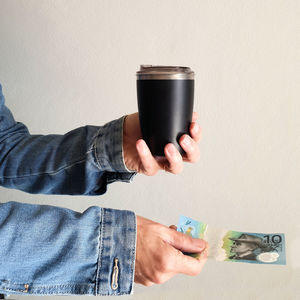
<point x="186" y="243"/>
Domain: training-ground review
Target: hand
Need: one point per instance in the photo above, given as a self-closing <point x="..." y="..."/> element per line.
<point x="138" y="157"/>
<point x="159" y="256"/>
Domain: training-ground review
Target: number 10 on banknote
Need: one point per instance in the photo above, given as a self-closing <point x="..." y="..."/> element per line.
<point x="229" y="245"/>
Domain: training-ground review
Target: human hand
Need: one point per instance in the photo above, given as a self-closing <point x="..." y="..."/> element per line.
<point x="159" y="256"/>
<point x="138" y="157"/>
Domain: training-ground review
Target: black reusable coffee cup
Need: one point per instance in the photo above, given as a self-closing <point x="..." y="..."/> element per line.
<point x="165" y="103"/>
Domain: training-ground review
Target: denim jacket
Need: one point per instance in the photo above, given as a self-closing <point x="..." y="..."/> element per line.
<point x="47" y="250"/>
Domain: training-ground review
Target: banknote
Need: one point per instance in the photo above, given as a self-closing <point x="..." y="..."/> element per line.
<point x="229" y="245"/>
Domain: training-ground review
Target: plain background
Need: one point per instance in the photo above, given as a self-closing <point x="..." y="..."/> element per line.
<point x="65" y="64"/>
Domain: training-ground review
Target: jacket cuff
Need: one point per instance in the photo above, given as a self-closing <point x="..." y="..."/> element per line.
<point x="115" y="272"/>
<point x="109" y="147"/>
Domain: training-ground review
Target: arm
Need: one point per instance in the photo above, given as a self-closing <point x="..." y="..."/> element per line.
<point x="83" y="161"/>
<point x="52" y="250"/>
<point x="86" y="159"/>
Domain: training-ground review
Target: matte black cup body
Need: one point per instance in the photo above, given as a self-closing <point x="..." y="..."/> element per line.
<point x="165" y="111"/>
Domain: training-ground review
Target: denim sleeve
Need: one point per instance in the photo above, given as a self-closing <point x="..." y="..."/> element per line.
<point x="47" y="250"/>
<point x="81" y="162"/>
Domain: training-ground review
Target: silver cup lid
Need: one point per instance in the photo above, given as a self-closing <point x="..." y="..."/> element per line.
<point x="164" y="72"/>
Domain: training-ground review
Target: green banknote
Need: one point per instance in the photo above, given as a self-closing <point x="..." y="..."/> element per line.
<point x="229" y="245"/>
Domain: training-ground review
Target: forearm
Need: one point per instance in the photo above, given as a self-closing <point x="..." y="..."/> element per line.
<point x="74" y="163"/>
<point x="51" y="250"/>
<point x="81" y="162"/>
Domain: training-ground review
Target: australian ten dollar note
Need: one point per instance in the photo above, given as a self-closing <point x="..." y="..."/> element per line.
<point x="229" y="245"/>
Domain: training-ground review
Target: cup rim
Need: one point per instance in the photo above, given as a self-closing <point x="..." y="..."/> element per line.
<point x="164" y="72"/>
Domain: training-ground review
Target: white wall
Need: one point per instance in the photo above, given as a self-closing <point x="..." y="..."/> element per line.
<point x="65" y="64"/>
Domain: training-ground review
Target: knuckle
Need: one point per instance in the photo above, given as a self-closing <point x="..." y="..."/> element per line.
<point x="194" y="274"/>
<point x="180" y="238"/>
<point x="197" y="270"/>
<point x="165" y="264"/>
<point x="175" y="171"/>
<point x="147" y="283"/>
<point x="178" y="169"/>
<point x="197" y="157"/>
<point x="157" y="278"/>
<point x="151" y="172"/>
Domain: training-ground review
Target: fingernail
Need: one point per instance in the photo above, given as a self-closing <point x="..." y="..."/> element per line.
<point x="196" y="128"/>
<point x="171" y="150"/>
<point x="186" y="141"/>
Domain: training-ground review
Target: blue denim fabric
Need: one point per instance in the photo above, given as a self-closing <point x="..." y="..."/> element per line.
<point x="82" y="162"/>
<point x="49" y="250"/>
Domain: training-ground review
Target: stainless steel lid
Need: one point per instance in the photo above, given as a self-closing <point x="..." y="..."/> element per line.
<point x="164" y="72"/>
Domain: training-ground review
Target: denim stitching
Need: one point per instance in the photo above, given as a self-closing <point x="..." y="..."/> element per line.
<point x="49" y="285"/>
<point x="133" y="253"/>
<point x="101" y="230"/>
<point x="46" y="173"/>
<point x="96" y="151"/>
<point x="34" y="288"/>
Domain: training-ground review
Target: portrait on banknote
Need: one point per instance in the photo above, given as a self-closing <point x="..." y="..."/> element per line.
<point x="248" y="247"/>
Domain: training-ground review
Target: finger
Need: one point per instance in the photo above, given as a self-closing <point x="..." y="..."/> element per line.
<point x="173" y="227"/>
<point x="195" y="132"/>
<point x="174" y="158"/>
<point x="149" y="163"/>
<point x="195" y="116"/>
<point x="186" y="243"/>
<point x="189" y="265"/>
<point x="204" y="253"/>
<point x="190" y="147"/>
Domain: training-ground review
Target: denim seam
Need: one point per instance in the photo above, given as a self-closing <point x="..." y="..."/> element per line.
<point x="49" y="285"/>
<point x="101" y="230"/>
<point x="132" y="268"/>
<point x="33" y="288"/>
<point x="97" y="155"/>
<point x="55" y="293"/>
<point x="15" y="135"/>
<point x="47" y="173"/>
<point x="96" y="151"/>
<point x="133" y="252"/>
<point x="118" y="161"/>
<point x="123" y="157"/>
<point x="102" y="159"/>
